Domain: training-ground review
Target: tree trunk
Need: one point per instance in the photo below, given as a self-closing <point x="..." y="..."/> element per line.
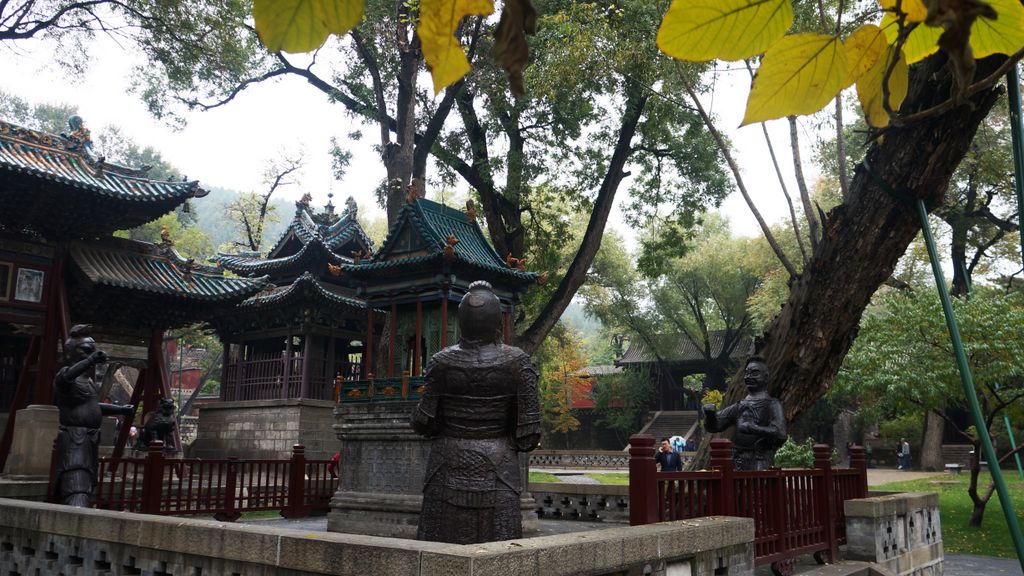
<point x="842" y="434"/>
<point x="931" y="443"/>
<point x="863" y="239"/>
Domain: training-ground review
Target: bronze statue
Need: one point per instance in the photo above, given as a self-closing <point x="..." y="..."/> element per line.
<point x="480" y="408"/>
<point x="760" y="423"/>
<point x="81" y="415"/>
<point x="159" y="425"/>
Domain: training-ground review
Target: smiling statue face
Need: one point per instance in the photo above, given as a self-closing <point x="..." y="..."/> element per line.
<point x="755" y="376"/>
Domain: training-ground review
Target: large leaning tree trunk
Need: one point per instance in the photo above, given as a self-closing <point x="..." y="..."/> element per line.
<point x="863" y="239"/>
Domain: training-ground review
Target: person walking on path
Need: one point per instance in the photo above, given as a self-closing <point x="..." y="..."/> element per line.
<point x="903" y="454"/>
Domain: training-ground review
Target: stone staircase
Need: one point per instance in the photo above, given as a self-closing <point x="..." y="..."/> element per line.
<point x="666" y="424"/>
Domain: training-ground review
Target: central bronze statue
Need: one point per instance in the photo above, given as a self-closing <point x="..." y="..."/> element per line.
<point x="480" y="408"/>
<point x="760" y="423"/>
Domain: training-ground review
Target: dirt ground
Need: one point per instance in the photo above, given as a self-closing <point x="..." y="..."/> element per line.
<point x="878" y="476"/>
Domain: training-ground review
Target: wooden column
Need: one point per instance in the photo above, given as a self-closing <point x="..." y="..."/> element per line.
<point x="444" y="319"/>
<point x="859" y="461"/>
<point x="417" y="348"/>
<point x="287" y="371"/>
<point x="507" y="331"/>
<point x="55" y="330"/>
<point x="721" y="460"/>
<point x="643" y="483"/>
<point x="330" y="370"/>
<point x="307" y="365"/>
<point x="368" y="345"/>
<point x="826" y="500"/>
<point x="391" y="344"/>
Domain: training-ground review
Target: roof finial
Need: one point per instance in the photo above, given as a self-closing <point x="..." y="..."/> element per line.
<point x="414" y="192"/>
<point x="79" y="136"/>
<point x="329" y="208"/>
<point x="470" y="211"/>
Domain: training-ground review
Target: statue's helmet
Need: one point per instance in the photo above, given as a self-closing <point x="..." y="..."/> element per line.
<point x="480" y="313"/>
<point x="79" y="344"/>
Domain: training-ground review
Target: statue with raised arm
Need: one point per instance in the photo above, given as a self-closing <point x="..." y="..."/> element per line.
<point x="760" y="423"/>
<point x="81" y="414"/>
<point x="480" y="408"/>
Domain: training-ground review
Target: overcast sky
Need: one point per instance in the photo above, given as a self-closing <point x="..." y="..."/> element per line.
<point x="229" y="146"/>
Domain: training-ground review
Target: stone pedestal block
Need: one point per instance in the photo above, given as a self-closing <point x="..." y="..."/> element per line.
<point x="265" y="429"/>
<point x="35" y="429"/>
<point x="383" y="462"/>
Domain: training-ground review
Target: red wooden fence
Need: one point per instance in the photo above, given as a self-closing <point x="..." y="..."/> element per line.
<point x="795" y="512"/>
<point x="222" y="488"/>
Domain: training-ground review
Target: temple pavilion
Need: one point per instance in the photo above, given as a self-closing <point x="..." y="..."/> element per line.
<point x="60" y="265"/>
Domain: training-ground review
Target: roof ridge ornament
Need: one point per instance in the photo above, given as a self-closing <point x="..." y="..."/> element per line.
<point x="414" y="192"/>
<point x="470" y="211"/>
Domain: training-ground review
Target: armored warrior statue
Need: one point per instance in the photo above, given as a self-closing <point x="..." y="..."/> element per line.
<point x="480" y="408"/>
<point x="159" y="425"/>
<point x="81" y="414"/>
<point x="760" y="423"/>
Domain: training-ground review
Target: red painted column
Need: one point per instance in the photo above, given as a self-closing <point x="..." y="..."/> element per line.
<point x="287" y="369"/>
<point x="507" y="332"/>
<point x="826" y="500"/>
<point x="444" y="319"/>
<point x="391" y="345"/>
<point x="417" y="349"/>
<point x="643" y="482"/>
<point x="368" y="345"/>
<point x="721" y="460"/>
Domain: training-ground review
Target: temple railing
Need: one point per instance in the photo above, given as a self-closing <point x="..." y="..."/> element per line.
<point x="223" y="488"/>
<point x="381" y="389"/>
<point x="275" y="376"/>
<point x="795" y="511"/>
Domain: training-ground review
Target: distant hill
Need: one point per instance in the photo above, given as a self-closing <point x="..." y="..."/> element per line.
<point x="211" y="214"/>
<point x="577" y="319"/>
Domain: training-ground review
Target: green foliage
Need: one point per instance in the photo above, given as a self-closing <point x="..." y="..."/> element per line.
<point x="908" y="425"/>
<point x="189" y="241"/>
<point x="620" y="401"/>
<point x="793" y="455"/>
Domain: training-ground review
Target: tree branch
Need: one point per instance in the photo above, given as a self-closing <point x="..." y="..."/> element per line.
<point x="813" y="230"/>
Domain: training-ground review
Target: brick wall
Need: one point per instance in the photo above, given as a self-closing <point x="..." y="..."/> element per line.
<point x="265" y="429"/>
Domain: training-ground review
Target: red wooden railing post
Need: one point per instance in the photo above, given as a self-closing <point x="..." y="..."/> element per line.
<point x="153" y="478"/>
<point x="230" y="512"/>
<point x="643" y="483"/>
<point x="721" y="460"/>
<point x="826" y="500"/>
<point x="859" y="462"/>
<point x="296" y="490"/>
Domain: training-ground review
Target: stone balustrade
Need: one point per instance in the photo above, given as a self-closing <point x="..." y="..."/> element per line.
<point x="900" y="532"/>
<point x="49" y="539"/>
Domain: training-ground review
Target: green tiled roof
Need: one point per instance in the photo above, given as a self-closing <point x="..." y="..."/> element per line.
<point x="308" y="289"/>
<point x="148" y="268"/>
<point x="435" y="222"/>
<point x="333" y="231"/>
<point x="61" y="191"/>
<point x="313" y="257"/>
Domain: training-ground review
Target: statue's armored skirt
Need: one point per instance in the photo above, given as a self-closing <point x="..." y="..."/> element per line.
<point x="480" y="407"/>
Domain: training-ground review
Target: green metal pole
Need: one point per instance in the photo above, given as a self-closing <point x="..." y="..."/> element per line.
<point x="1013" y="89"/>
<point x="969" y="390"/>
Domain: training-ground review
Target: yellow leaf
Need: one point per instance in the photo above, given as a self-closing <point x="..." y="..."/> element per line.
<point x="914" y="9"/>
<point x="340" y="16"/>
<point x="922" y="42"/>
<point x="441" y="50"/>
<point x="799" y="74"/>
<point x="701" y="30"/>
<point x="303" y="25"/>
<point x="863" y="48"/>
<point x="869" y="88"/>
<point x="1004" y="35"/>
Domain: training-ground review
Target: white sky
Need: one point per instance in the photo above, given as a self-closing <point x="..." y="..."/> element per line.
<point x="230" y="145"/>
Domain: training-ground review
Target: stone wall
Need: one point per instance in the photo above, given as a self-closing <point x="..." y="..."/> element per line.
<point x="265" y="429"/>
<point x="901" y="532"/>
<point x="584" y="459"/>
<point x="590" y="502"/>
<point x="49" y="539"/>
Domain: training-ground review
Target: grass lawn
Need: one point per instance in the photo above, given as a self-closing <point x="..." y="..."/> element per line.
<point x="993" y="538"/>
<point x="610" y="477"/>
<point x="543" y="477"/>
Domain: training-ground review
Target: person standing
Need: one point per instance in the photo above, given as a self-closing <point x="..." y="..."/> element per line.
<point x="903" y="454"/>
<point x="668" y="458"/>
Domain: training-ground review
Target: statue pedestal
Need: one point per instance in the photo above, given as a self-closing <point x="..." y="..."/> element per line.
<point x="382" y="467"/>
<point x="35" y="429"/>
